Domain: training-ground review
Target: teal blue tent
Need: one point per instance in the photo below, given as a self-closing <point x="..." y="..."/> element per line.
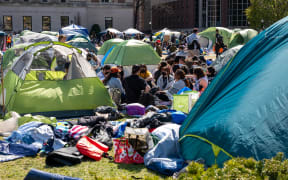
<point x="244" y="111"/>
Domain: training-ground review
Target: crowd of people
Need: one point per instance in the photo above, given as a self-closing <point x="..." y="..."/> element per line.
<point x="184" y="66"/>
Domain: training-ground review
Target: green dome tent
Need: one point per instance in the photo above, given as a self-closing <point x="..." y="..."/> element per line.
<point x="38" y="82"/>
<point x="108" y="44"/>
<point x="11" y="54"/>
<point x="133" y="52"/>
<point x="242" y="37"/>
<point x="210" y="33"/>
<point x="231" y="38"/>
<point x="243" y="112"/>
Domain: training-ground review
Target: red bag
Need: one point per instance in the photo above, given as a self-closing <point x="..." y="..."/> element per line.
<point x="124" y="152"/>
<point x="91" y="148"/>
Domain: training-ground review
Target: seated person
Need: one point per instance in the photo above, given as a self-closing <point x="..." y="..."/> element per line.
<point x="201" y="80"/>
<point x="105" y="70"/>
<point x="146" y="75"/>
<point x="134" y="85"/>
<point x="113" y="81"/>
<point x="180" y="82"/>
<point x="166" y="80"/>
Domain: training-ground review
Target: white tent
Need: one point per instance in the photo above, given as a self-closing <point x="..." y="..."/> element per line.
<point x="113" y="31"/>
<point x="132" y="31"/>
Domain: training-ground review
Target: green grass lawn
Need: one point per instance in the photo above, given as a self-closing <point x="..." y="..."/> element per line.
<point x="103" y="169"/>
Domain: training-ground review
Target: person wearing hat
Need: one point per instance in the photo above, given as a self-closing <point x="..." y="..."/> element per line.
<point x="158" y="47"/>
<point x="113" y="81"/>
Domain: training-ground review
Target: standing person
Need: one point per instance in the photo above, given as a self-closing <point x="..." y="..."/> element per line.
<point x="9" y="41"/>
<point x="158" y="47"/>
<point x="192" y="42"/>
<point x="219" y="44"/>
<point x="134" y="85"/>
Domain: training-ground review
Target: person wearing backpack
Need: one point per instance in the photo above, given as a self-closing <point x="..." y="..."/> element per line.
<point x="193" y="42"/>
<point x="219" y="44"/>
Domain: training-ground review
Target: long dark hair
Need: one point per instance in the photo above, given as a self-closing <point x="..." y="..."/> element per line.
<point x="106" y="80"/>
<point x="199" y="73"/>
<point x="181" y="74"/>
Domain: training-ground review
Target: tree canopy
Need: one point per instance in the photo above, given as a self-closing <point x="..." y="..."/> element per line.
<point x="269" y="11"/>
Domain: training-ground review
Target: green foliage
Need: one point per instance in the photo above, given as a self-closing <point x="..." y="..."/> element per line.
<point x="95" y="29"/>
<point x="241" y="168"/>
<point x="268" y="10"/>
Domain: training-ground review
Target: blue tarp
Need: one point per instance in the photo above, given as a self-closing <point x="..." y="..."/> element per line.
<point x="12" y="151"/>
<point x="243" y="112"/>
<point x="74" y="30"/>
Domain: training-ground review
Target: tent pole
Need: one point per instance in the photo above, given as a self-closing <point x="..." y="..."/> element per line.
<point x="2" y="85"/>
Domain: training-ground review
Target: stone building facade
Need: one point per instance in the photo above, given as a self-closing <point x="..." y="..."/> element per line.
<point x="41" y="15"/>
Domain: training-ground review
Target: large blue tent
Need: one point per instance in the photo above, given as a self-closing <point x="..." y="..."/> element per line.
<point x="244" y="111"/>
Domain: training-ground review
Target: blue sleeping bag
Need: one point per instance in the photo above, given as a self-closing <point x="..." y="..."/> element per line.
<point x="35" y="174"/>
<point x="165" y="157"/>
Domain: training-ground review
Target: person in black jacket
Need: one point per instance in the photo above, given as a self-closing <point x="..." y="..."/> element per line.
<point x="134" y="85"/>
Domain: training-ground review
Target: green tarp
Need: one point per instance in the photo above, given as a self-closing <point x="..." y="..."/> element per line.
<point x="108" y="44"/>
<point x="243" y="112"/>
<point x="133" y="52"/>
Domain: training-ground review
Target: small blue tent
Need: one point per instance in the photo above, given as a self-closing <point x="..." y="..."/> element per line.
<point x="244" y="111"/>
<point x="74" y="30"/>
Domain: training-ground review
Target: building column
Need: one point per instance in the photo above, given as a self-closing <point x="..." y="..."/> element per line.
<point x="200" y="13"/>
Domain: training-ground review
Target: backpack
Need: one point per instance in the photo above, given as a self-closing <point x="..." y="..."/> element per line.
<point x="115" y="94"/>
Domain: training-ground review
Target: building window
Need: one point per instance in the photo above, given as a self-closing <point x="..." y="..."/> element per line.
<point x="64" y="21"/>
<point x="45" y="1"/>
<point x="212" y="11"/>
<point x="7" y="23"/>
<point x="237" y="15"/>
<point x="26" y="0"/>
<point x="63" y="1"/>
<point x="108" y="22"/>
<point x="46" y="23"/>
<point x="27" y="23"/>
<point x="106" y="1"/>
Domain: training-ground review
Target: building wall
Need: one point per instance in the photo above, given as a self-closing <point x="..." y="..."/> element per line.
<point x="187" y="14"/>
<point x="178" y="14"/>
<point x="122" y="17"/>
<point x="84" y="13"/>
